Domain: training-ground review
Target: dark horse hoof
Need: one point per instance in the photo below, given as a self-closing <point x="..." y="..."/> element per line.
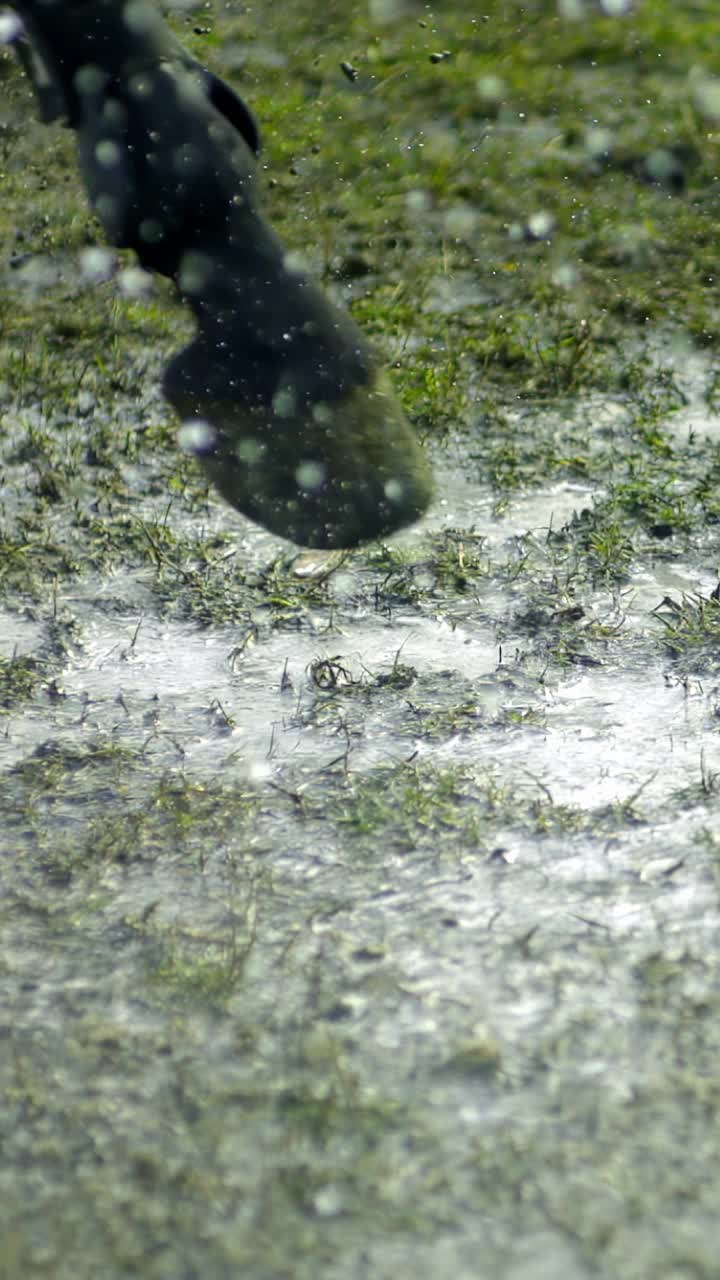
<point x="332" y="473"/>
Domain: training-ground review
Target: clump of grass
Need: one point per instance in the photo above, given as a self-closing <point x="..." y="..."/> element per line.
<point x="62" y="769"/>
<point x="20" y="679"/>
<point x="411" y="806"/>
<point x="692" y="630"/>
<point x="456" y="560"/>
<point x="206" y="967"/>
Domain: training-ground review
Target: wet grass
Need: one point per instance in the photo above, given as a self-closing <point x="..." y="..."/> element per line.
<point x="20" y="678"/>
<point x="412" y="808"/>
<point x="377" y="988"/>
<point x="692" y="631"/>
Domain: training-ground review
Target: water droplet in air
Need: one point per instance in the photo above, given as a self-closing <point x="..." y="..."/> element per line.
<point x="108" y="153"/>
<point x="310" y="476"/>
<point x="284" y="402"/>
<point x="322" y="413"/>
<point x="249" y="451"/>
<point x="139" y="17"/>
<point x="89" y="79"/>
<point x="133" y="282"/>
<point x="393" y="490"/>
<point x="196" y="436"/>
<point x="10" y="28"/>
<point x="461" y="221"/>
<point x="490" y="88"/>
<point x="96" y="264"/>
<point x="195" y="272"/>
<point x="540" y="225"/>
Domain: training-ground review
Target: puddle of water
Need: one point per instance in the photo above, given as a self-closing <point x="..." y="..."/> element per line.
<point x="370" y="971"/>
<point x="611" y="732"/>
<point x="463" y="504"/>
<point x="18" y="635"/>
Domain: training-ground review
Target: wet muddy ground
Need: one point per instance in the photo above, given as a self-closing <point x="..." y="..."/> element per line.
<point x="360" y="916"/>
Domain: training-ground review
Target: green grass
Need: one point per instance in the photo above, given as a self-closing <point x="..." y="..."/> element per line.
<point x="692" y="631"/>
<point x="20" y="678"/>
